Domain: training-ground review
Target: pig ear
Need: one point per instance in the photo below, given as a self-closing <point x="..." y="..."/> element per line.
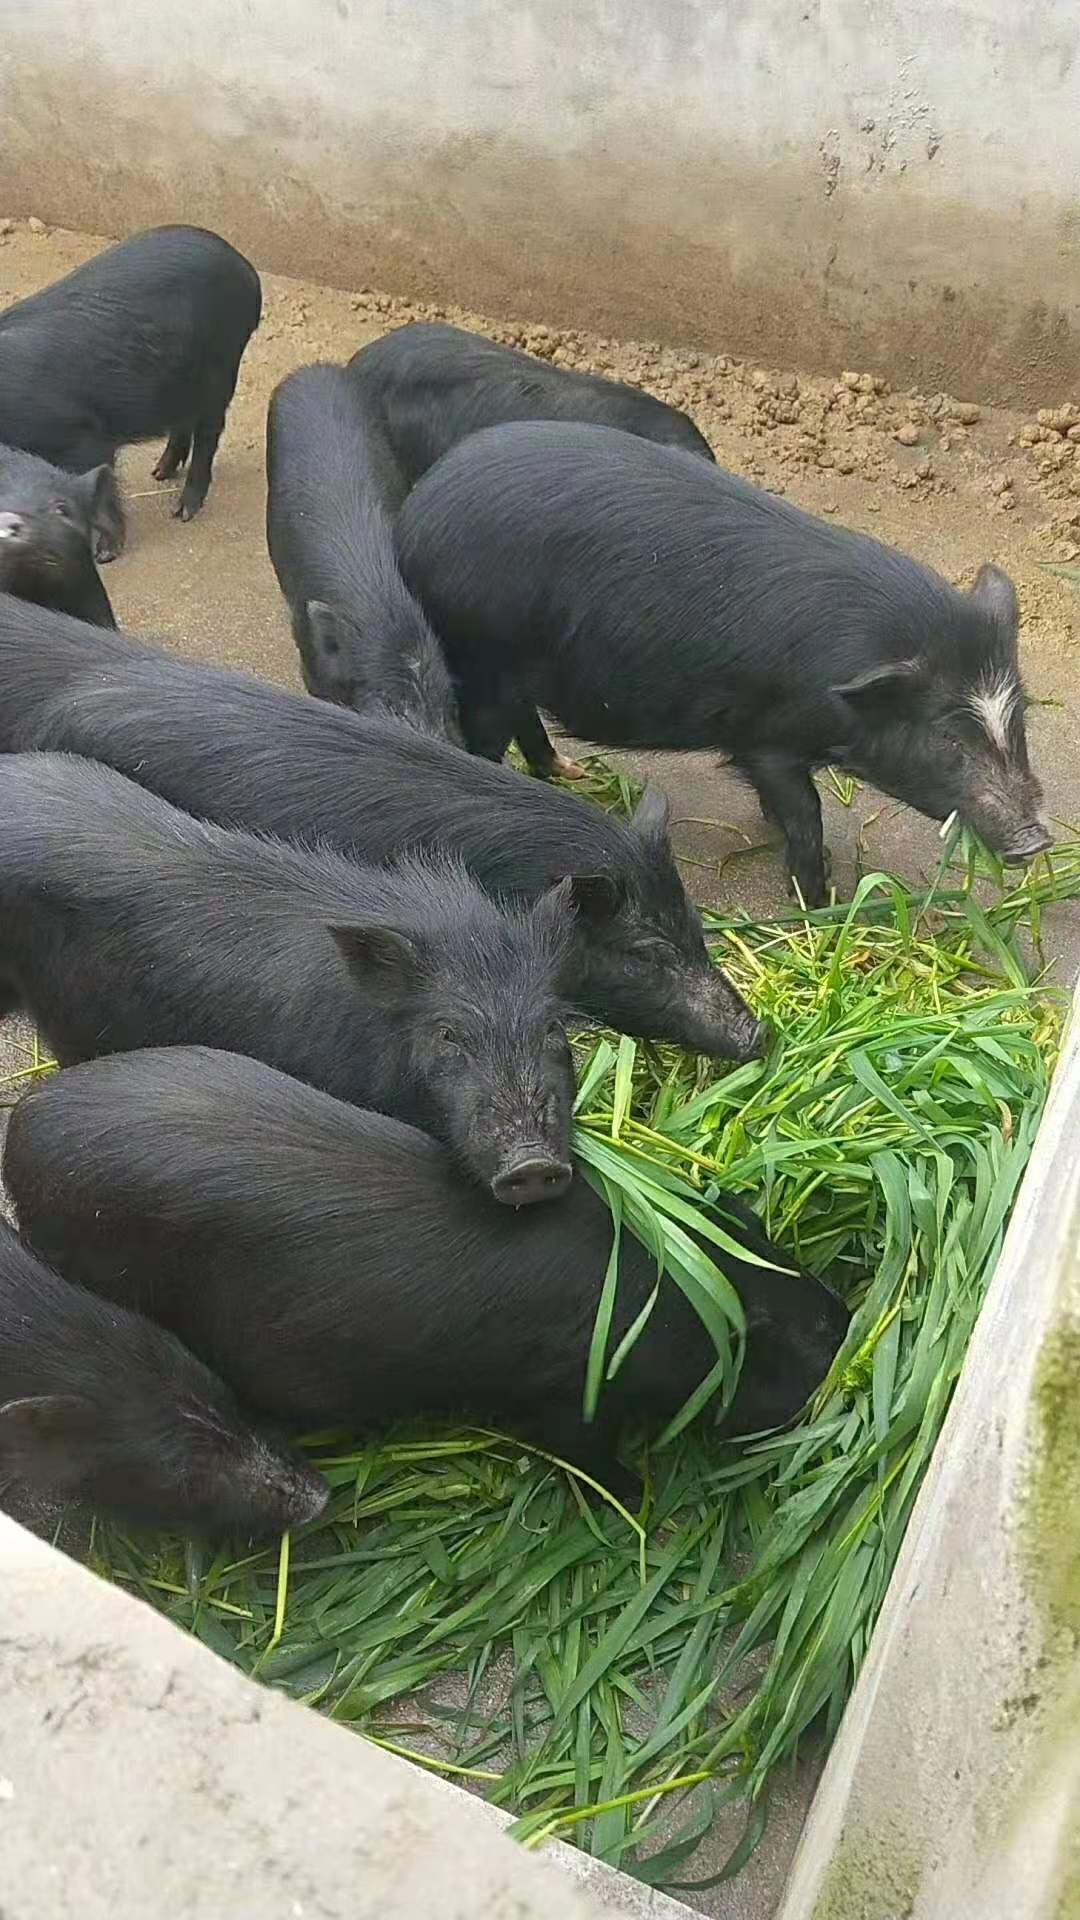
<point x="43" y="1439"/>
<point x="889" y="685"/>
<point x="995" y="594"/>
<point x="595" y="896"/>
<point x="92" y="487"/>
<point x="327" y="627"/>
<point x="552" y="917"/>
<point x="379" y="956"/>
<point x="652" y="816"/>
<point x="328" y="646"/>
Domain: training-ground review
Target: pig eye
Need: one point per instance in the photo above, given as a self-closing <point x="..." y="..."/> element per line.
<point x="657" y="952"/>
<point x="448" y="1036"/>
<point x="61" y="507"/>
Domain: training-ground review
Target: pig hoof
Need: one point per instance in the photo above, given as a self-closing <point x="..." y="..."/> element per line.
<point x="567" y="769"/>
<point x="108" y="547"/>
<point x="187" y="507"/>
<point x="806" y="893"/>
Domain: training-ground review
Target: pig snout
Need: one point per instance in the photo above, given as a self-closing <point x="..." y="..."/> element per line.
<point x="752" y="1041"/>
<point x="529" y="1176"/>
<point x="720" y="1023"/>
<point x="1008" y="819"/>
<point x="309" y="1500"/>
<point x="1031" y="840"/>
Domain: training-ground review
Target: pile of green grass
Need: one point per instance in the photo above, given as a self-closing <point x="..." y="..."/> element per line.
<point x="619" y="1676"/>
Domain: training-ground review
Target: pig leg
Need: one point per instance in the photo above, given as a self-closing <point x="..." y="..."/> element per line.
<point x="11" y="1000"/>
<point x="541" y="756"/>
<point x="86" y="598"/>
<point x="789" y="799"/>
<point x="111" y="526"/>
<point x="203" y="448"/>
<point x="177" y="449"/>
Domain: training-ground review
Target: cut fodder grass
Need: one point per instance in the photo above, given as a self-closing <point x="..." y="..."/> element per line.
<point x="614" y="1678"/>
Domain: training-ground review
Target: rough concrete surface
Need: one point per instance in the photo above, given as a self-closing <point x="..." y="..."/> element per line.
<point x="819" y="181"/>
<point x="141" y="1775"/>
<point x="953" y="1788"/>
<point x="988" y="485"/>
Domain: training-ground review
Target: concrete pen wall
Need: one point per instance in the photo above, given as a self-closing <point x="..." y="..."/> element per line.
<point x="825" y="182"/>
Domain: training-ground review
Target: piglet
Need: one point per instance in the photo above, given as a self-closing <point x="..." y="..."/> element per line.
<point x="99" y="1404"/>
<point x="650" y="600"/>
<point x="330" y="1265"/>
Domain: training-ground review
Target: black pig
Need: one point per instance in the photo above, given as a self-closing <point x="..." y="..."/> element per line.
<point x="652" y="601"/>
<point x="144" y="339"/>
<point x="332" y="487"/>
<point x="99" y="1404"/>
<point x="434" y="384"/>
<point x="126" y="923"/>
<point x="332" y="1267"/>
<point x="235" y="750"/>
<point x="46" y="533"/>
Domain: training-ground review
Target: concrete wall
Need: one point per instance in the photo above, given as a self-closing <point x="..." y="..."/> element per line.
<point x="953" y="1789"/>
<point x="885" y="183"/>
<point x="140" y="1775"/>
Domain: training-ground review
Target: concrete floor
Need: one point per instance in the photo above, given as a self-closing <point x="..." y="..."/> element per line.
<point x="209" y="590"/>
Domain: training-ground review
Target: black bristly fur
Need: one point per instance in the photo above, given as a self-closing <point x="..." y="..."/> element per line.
<point x="98" y="1403"/>
<point x="432" y="385"/>
<point x="144" y="339"/>
<point x="125" y="923"/>
<point x="650" y="600"/>
<point x="234" y="749"/>
<point x="333" y="1268"/>
<point x="333" y="486"/>
<point x="435" y="384"/>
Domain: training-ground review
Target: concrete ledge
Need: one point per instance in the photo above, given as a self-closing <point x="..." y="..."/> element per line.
<point x="140" y="1775"/>
<point x="953" y="1788"/>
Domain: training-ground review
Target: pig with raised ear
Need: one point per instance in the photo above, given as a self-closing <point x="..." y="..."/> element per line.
<point x="650" y="600"/>
<point x="943" y="726"/>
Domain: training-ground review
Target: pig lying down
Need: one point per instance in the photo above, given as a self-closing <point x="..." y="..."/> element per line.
<point x="648" y="599"/>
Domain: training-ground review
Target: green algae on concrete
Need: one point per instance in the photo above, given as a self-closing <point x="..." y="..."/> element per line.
<point x="874" y="1876"/>
<point x="1050" y="1521"/>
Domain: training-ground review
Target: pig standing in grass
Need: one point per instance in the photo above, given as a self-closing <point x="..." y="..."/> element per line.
<point x="233" y="749"/>
<point x="336" y="1271"/>
<point x="125" y="923"/>
<point x="650" y="600"/>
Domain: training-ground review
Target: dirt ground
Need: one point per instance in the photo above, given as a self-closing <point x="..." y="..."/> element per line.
<point x="954" y="484"/>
